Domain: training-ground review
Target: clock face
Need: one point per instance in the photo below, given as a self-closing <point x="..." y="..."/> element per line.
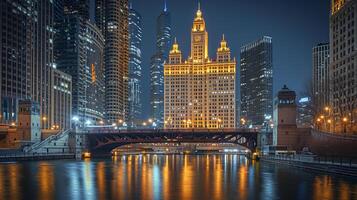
<point x="197" y="38"/>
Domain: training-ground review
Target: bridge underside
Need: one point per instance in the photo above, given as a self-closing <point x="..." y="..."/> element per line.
<point x="104" y="143"/>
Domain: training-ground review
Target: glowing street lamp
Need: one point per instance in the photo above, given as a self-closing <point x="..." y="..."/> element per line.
<point x="150" y="120"/>
<point x="344" y="124"/>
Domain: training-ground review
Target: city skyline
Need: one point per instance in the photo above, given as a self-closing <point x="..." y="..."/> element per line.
<point x="292" y="49"/>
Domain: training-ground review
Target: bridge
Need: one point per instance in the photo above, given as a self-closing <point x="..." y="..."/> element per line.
<point x="103" y="140"/>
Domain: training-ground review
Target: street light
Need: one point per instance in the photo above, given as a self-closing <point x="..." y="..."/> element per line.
<point x="344" y="124"/>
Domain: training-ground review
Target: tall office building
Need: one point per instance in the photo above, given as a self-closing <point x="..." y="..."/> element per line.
<point x="62" y="99"/>
<point x="200" y="92"/>
<point x="26" y="56"/>
<point x="16" y="37"/>
<point x="343" y="62"/>
<point x="320" y="76"/>
<point x="257" y="81"/>
<point x="135" y="68"/>
<point x="79" y="53"/>
<point x="43" y="60"/>
<point x="112" y="19"/>
<point x="163" y="43"/>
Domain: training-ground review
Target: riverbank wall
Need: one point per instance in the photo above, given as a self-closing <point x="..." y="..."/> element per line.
<point x="346" y="167"/>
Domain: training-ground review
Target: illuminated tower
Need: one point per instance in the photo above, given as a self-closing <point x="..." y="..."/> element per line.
<point x="163" y="42"/>
<point x="343" y="65"/>
<point x="199" y="92"/>
<point x="135" y="68"/>
<point x="256" y="81"/>
<point x="112" y="18"/>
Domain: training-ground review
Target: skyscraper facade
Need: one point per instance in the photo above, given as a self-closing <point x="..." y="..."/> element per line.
<point x="43" y="60"/>
<point x="26" y="57"/>
<point x="163" y="42"/>
<point x="343" y="63"/>
<point x="16" y="56"/>
<point x="199" y="92"/>
<point x="62" y="99"/>
<point x="79" y="52"/>
<point x="320" y="76"/>
<point x="135" y="68"/>
<point x="256" y="81"/>
<point x="112" y="19"/>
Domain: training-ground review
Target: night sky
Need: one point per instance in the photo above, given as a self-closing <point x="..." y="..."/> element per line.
<point x="295" y="25"/>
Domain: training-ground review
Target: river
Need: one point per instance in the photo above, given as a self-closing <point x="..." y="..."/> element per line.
<point x="169" y="177"/>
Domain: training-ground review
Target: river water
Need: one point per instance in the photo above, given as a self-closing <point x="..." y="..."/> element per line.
<point x="169" y="177"/>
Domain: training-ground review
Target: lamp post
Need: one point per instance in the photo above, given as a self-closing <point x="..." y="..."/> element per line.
<point x="318" y="121"/>
<point x="75" y="120"/>
<point x="329" y="124"/>
<point x="344" y="124"/>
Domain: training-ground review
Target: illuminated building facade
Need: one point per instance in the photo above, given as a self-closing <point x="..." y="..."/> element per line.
<point x="199" y="92"/>
<point x="79" y="53"/>
<point x="343" y="64"/>
<point x="320" y="75"/>
<point x="163" y="42"/>
<point x="62" y="99"/>
<point x="26" y="56"/>
<point x="135" y="68"/>
<point x="256" y="82"/>
<point x="112" y="19"/>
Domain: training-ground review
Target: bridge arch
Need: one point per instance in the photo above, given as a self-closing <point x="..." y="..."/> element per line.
<point x="102" y="143"/>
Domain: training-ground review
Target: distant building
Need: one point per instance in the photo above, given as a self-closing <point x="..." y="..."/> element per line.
<point x="256" y="81"/>
<point x="320" y="76"/>
<point x="199" y="91"/>
<point x="62" y="100"/>
<point x="305" y="112"/>
<point x="163" y="42"/>
<point x="112" y="19"/>
<point x="135" y="66"/>
<point x="343" y="64"/>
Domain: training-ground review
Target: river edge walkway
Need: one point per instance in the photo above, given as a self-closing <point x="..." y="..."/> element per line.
<point x="19" y="156"/>
<point x="337" y="166"/>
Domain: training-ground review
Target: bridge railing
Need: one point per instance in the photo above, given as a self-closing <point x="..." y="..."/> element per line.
<point x="112" y="130"/>
<point x="328" y="160"/>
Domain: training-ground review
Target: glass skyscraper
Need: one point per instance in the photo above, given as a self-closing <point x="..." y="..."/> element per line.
<point x="163" y="44"/>
<point x="112" y="19"/>
<point x="135" y="68"/>
<point x="79" y="52"/>
<point x="256" y="81"/>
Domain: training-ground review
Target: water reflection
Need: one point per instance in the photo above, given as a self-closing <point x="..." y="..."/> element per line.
<point x="168" y="177"/>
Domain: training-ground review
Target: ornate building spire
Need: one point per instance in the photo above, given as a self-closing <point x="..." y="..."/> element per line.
<point x="223" y="46"/>
<point x="175" y="47"/>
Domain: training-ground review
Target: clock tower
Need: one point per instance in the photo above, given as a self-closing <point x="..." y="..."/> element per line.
<point x="199" y="39"/>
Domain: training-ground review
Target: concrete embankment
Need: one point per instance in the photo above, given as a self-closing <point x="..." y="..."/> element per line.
<point x="29" y="157"/>
<point x="347" y="169"/>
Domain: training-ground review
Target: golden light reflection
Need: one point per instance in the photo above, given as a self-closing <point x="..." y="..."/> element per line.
<point x="243" y="173"/>
<point x="14" y="181"/>
<point x="146" y="181"/>
<point x="46" y="181"/>
<point x="186" y="179"/>
<point x="101" y="180"/>
<point x="2" y="182"/>
<point x="345" y="192"/>
<point x="323" y="188"/>
<point x="218" y="178"/>
<point x="166" y="178"/>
